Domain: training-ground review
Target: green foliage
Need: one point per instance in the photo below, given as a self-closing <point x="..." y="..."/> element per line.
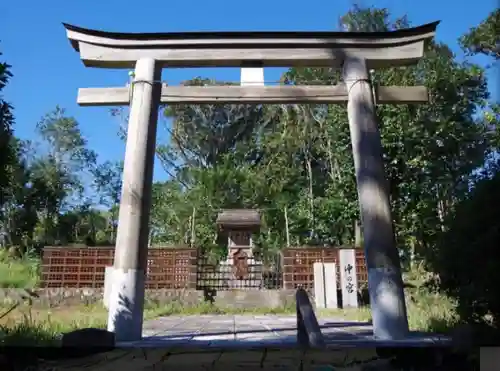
<point x="484" y="38"/>
<point x="7" y="149"/>
<point x="108" y="184"/>
<point x="201" y="135"/>
<point x="430" y="151"/>
<point x="44" y="201"/>
<point x="467" y="255"/>
<point x="19" y="272"/>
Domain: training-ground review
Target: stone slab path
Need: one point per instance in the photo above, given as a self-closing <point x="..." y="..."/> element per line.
<point x="221" y="343"/>
<point x="256" y="331"/>
<point x="213" y="359"/>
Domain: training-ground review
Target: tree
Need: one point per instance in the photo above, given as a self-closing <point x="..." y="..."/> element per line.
<point x="18" y="201"/>
<point x="169" y="214"/>
<point x="202" y="134"/>
<point x="7" y="149"/>
<point x="21" y="200"/>
<point x="64" y="142"/>
<point x="57" y="162"/>
<point x="484" y="38"/>
<point x="466" y="255"/>
<point x="41" y="183"/>
<point x="108" y="183"/>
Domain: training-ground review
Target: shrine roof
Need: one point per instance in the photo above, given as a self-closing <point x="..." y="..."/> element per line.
<point x="237" y="35"/>
<point x="238" y="218"/>
<point x="235" y="49"/>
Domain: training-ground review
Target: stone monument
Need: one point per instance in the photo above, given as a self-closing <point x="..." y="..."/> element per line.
<point x="241" y="269"/>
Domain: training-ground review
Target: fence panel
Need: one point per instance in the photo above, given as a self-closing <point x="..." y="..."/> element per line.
<point x="183" y="268"/>
<point x="79" y="267"/>
<point x="75" y="266"/>
<point x="259" y="274"/>
<point x="298" y="265"/>
<point x="171" y="268"/>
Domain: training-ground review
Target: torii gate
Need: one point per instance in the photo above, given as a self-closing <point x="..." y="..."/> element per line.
<point x="354" y="52"/>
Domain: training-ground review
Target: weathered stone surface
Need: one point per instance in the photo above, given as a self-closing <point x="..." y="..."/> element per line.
<point x="50" y="297"/>
<point x="53" y="297"/>
<point x="11" y="296"/>
<point x="255" y="298"/>
<point x="218" y="342"/>
<point x="268" y="358"/>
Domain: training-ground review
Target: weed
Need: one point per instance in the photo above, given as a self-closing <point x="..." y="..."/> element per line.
<point x="22" y="272"/>
<point x="25" y="325"/>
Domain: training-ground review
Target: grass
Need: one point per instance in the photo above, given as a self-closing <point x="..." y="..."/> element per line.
<point x="29" y="326"/>
<point x="427" y="311"/>
<point x="19" y="273"/>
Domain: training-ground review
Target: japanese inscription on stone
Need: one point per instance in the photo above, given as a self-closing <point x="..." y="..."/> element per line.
<point x="349" y="286"/>
<point x="348" y="279"/>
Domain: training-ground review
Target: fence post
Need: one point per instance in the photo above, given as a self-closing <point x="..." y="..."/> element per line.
<point x="319" y="285"/>
<point x="330" y="275"/>
<point x="193" y="269"/>
<point x="325" y="285"/>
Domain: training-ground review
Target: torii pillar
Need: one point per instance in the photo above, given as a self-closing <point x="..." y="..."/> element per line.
<point x="126" y="301"/>
<point x="385" y="283"/>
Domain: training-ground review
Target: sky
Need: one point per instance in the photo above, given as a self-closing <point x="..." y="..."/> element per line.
<point x="48" y="72"/>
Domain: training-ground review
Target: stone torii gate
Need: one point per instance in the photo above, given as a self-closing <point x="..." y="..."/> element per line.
<point x="354" y="52"/>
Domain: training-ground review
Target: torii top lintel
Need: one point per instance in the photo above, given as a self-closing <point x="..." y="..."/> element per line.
<point x="240" y="49"/>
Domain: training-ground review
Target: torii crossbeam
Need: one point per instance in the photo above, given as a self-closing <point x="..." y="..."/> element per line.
<point x="354" y="52"/>
<point x="252" y="94"/>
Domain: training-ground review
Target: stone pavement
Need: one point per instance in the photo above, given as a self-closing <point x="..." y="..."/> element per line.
<point x="216" y="359"/>
<point x="256" y="331"/>
<point x="220" y="343"/>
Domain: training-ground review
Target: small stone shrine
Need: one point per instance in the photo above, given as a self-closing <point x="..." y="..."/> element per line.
<point x="240" y="269"/>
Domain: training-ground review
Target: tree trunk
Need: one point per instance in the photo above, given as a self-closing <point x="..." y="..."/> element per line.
<point x="287" y="231"/>
<point x="311" y="194"/>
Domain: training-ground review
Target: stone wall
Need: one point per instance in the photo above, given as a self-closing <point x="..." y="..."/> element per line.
<point x="254" y="298"/>
<point x="231" y="298"/>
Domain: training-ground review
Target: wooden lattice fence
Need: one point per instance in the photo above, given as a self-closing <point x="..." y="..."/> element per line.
<point x="78" y="267"/>
<point x="298" y="265"/>
<point x="182" y="268"/>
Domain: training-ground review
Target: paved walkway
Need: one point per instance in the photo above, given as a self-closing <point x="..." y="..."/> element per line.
<point x="214" y="343"/>
<point x="254" y="331"/>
